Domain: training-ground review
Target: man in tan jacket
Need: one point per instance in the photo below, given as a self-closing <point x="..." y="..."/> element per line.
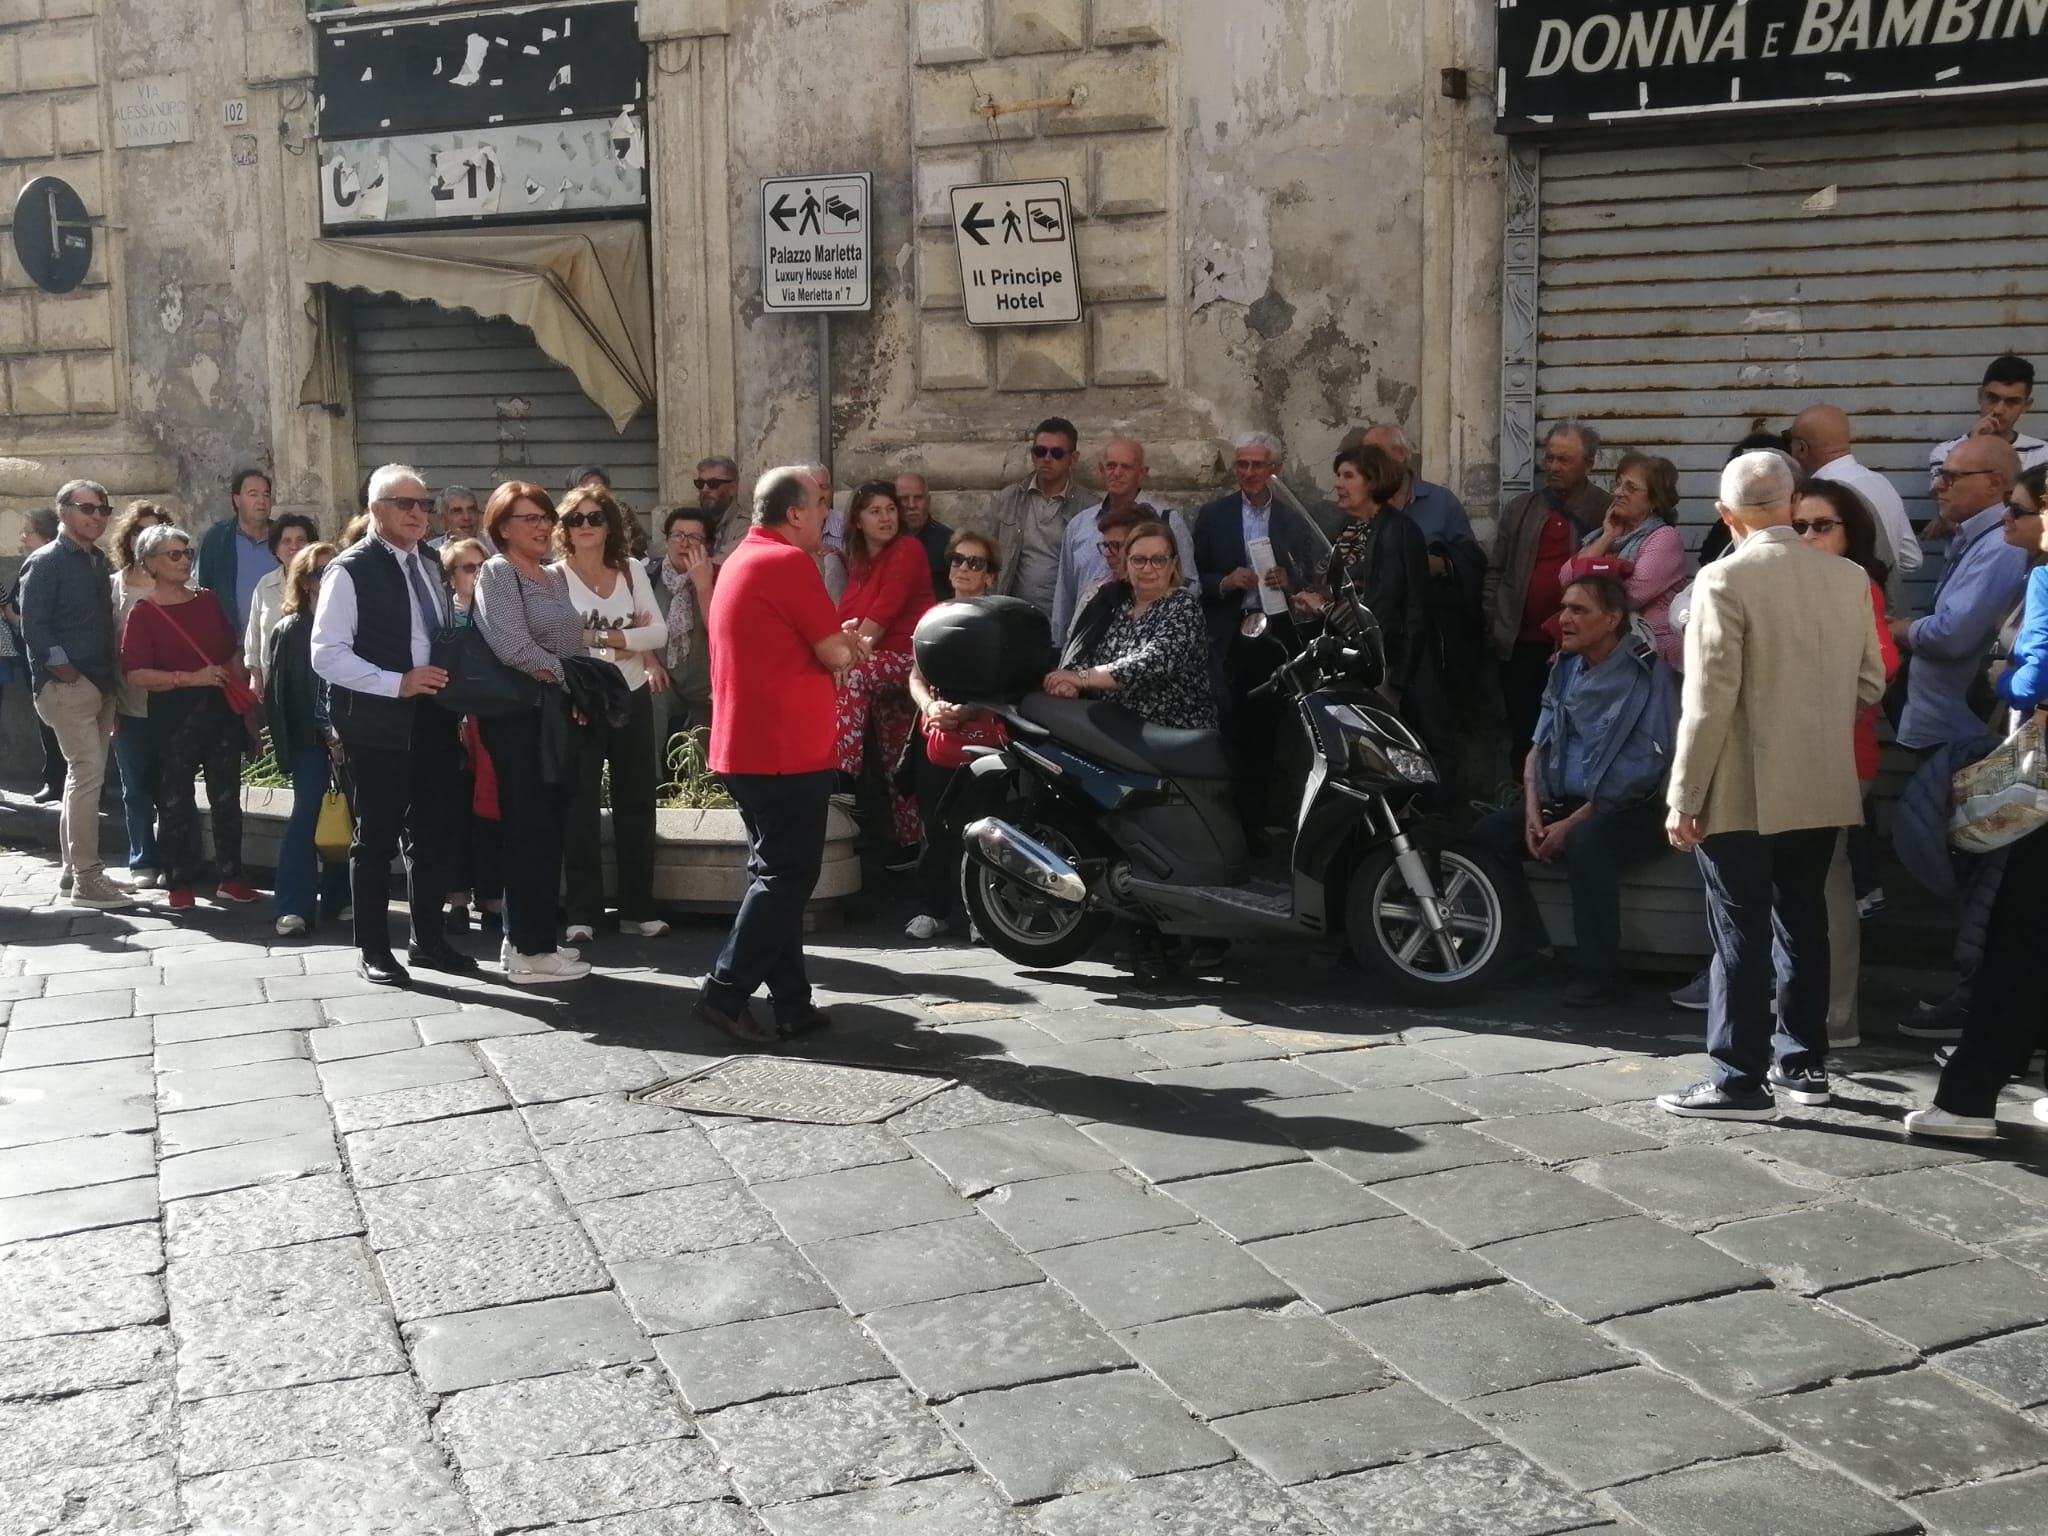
<point x="1780" y="654"/>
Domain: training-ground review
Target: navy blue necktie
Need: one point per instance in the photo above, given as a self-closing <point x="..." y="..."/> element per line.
<point x="423" y="594"/>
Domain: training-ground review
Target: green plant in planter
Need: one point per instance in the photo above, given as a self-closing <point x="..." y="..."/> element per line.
<point x="691" y="785"/>
<point x="265" y="772"/>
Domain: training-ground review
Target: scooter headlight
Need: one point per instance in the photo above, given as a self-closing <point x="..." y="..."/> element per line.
<point x="1412" y="766"/>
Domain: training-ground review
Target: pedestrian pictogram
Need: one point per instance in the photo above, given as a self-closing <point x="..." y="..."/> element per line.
<point x="1018" y="264"/>
<point x="814" y="243"/>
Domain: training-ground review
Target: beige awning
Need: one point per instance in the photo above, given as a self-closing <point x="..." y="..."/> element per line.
<point x="582" y="289"/>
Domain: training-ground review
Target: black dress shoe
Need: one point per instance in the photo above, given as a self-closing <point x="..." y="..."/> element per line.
<point x="801" y="1021"/>
<point x="46" y="795"/>
<point x="442" y="957"/>
<point x="383" y="971"/>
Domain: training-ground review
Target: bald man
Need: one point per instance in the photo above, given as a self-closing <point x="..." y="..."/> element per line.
<point x="1982" y="582"/>
<point x="914" y="499"/>
<point x="1082" y="564"/>
<point x="1824" y="444"/>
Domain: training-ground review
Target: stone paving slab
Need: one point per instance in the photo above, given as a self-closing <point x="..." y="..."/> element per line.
<point x="835" y="1441"/>
<point x="2013" y="1367"/>
<point x="337" y="1418"/>
<point x="1079" y="1207"/>
<point x="258" y="1162"/>
<point x="1944" y="1307"/>
<point x="1223" y="1363"/>
<point x="1489" y="1491"/>
<point x="201" y="1130"/>
<point x="134" y="1498"/>
<point x="1761" y="1493"/>
<point x="1466" y="1344"/>
<point x="768" y="1151"/>
<point x="1617" y="1426"/>
<point x="223" y="1353"/>
<point x="1310" y="1442"/>
<point x="1909" y="1433"/>
<point x="574" y="1414"/>
<point x="1152" y="1276"/>
<point x="26" y="1217"/>
<point x="497" y="1200"/>
<point x="387" y="1491"/>
<point x="320" y="1276"/>
<point x="63" y="1364"/>
<point x="393" y="1071"/>
<point x="271" y="1216"/>
<point x="408" y="1106"/>
<point x="468" y="1274"/>
<point x="690" y="1291"/>
<point x="1372" y="1261"/>
<point x="921" y="1263"/>
<point x="1084" y="1432"/>
<point x="1834" y="1246"/>
<point x="768" y="1357"/>
<point x="74" y="1163"/>
<point x="959" y="1504"/>
<point x="635" y="1165"/>
<point x="2009" y="1506"/>
<point x="522" y="1495"/>
<point x="1615" y="1267"/>
<point x="1494" y="1201"/>
<point x="534" y="1338"/>
<point x="990" y="1339"/>
<point x="1696" y="1186"/>
<point x="1757" y="1344"/>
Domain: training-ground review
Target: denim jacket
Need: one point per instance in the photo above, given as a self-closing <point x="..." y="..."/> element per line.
<point x="1627" y="707"/>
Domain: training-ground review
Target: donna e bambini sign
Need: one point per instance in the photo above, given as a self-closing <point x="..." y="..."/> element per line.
<point x="1580" y="61"/>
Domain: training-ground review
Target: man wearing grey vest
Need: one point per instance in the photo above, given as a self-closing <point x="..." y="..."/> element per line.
<point x="381" y="605"/>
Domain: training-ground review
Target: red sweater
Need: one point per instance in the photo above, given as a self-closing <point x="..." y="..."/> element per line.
<point x="894" y="591"/>
<point x="1866" y="718"/>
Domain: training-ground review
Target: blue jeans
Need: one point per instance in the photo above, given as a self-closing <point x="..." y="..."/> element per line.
<point x="136" y="759"/>
<point x="1596" y="854"/>
<point x="785" y="820"/>
<point x="298" y="861"/>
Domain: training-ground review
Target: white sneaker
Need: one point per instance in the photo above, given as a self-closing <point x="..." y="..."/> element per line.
<point x="2041" y="1110"/>
<point x="925" y="926"/>
<point x="507" y="954"/>
<point x="654" y="928"/>
<point x="580" y="933"/>
<point x="145" y="879"/>
<point x="289" y="927"/>
<point x="98" y="892"/>
<point x="543" y="970"/>
<point x="1939" y="1122"/>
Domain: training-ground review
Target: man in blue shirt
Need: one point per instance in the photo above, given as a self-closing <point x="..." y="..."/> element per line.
<point x="1592" y="785"/>
<point x="1982" y="582"/>
<point x="235" y="553"/>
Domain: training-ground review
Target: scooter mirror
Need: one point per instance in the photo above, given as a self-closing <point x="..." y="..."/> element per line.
<point x="1252" y="626"/>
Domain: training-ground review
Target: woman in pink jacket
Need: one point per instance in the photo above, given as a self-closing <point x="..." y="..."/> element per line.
<point x="1639" y="541"/>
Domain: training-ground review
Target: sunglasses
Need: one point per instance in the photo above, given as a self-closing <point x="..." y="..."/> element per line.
<point x="1041" y="451"/>
<point x="2014" y="509"/>
<point x="467" y="567"/>
<point x="408" y="503"/>
<point x="176" y="554"/>
<point x="99" y="507"/>
<point x="970" y="562"/>
<point x="712" y="485"/>
<point x="1805" y="525"/>
<point x="585" y="520"/>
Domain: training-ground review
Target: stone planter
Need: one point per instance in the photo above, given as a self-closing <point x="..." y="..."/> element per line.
<point x="700" y="857"/>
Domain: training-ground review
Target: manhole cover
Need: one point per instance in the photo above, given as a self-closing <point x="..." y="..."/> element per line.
<point x="815" y="1092"/>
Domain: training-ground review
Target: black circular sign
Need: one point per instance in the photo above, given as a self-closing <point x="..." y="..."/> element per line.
<point x="52" y="235"/>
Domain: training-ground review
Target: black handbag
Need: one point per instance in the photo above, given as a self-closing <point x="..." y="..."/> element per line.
<point x="478" y="683"/>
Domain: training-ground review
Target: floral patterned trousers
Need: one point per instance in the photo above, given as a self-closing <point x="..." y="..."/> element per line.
<point x="881" y="685"/>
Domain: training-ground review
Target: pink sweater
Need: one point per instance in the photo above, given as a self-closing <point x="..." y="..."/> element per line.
<point x="1660" y="570"/>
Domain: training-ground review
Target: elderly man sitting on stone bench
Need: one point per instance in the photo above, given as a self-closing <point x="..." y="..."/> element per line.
<point x="1593" y="787"/>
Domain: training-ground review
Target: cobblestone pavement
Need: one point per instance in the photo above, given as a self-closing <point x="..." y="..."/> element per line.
<point x="280" y="1252"/>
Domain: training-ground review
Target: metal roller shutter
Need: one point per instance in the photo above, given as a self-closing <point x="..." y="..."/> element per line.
<point x="474" y="402"/>
<point x="1688" y="288"/>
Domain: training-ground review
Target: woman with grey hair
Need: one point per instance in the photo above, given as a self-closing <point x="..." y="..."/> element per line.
<point x="178" y="647"/>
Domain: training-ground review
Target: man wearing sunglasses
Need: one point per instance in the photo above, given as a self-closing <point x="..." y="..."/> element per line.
<point x="1980" y="584"/>
<point x="67" y="629"/>
<point x="1029" y="519"/>
<point x="2006" y="395"/>
<point x="380" y="608"/>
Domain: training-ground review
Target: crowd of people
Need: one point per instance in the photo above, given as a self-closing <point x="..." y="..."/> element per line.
<point x="503" y="680"/>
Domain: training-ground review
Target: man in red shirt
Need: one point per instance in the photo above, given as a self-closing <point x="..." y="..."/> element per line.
<point x="776" y="644"/>
<point x="1538" y="532"/>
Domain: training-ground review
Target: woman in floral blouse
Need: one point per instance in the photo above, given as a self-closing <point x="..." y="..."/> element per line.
<point x="1153" y="657"/>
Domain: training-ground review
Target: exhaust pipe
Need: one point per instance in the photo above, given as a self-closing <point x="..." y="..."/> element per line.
<point x="1024" y="859"/>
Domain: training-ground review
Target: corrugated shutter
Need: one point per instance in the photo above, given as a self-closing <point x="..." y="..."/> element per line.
<point x="1689" y="288"/>
<point x="474" y="402"/>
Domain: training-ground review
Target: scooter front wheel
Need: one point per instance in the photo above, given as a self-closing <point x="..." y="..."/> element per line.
<point x="1390" y="931"/>
<point x="1023" y="924"/>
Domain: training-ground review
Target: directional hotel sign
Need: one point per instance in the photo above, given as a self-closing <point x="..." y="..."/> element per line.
<point x="814" y="243"/>
<point x="1017" y="261"/>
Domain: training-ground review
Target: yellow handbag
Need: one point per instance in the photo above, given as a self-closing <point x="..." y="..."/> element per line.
<point x="335" y="829"/>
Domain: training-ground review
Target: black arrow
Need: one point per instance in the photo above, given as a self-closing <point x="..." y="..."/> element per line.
<point x="781" y="211"/>
<point x="974" y="224"/>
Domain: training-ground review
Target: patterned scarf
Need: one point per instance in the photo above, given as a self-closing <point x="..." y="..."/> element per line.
<point x="682" y="615"/>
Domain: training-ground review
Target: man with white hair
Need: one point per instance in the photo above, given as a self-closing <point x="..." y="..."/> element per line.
<point x="1780" y="654"/>
<point x="462" y="517"/>
<point x="1225" y="531"/>
<point x="380" y="606"/>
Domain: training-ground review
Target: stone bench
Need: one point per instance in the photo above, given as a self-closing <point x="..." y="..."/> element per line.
<point x="1663" y="910"/>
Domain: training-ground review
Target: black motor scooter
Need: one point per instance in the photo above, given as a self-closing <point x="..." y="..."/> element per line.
<point x="1104" y="817"/>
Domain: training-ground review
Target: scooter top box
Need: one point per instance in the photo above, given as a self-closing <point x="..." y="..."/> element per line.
<point x="984" y="648"/>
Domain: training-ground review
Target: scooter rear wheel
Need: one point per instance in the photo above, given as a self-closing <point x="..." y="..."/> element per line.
<point x="1024" y="925"/>
<point x="1385" y="923"/>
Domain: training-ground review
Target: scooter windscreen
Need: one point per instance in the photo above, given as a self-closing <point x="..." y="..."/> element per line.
<point x="1356" y="629"/>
